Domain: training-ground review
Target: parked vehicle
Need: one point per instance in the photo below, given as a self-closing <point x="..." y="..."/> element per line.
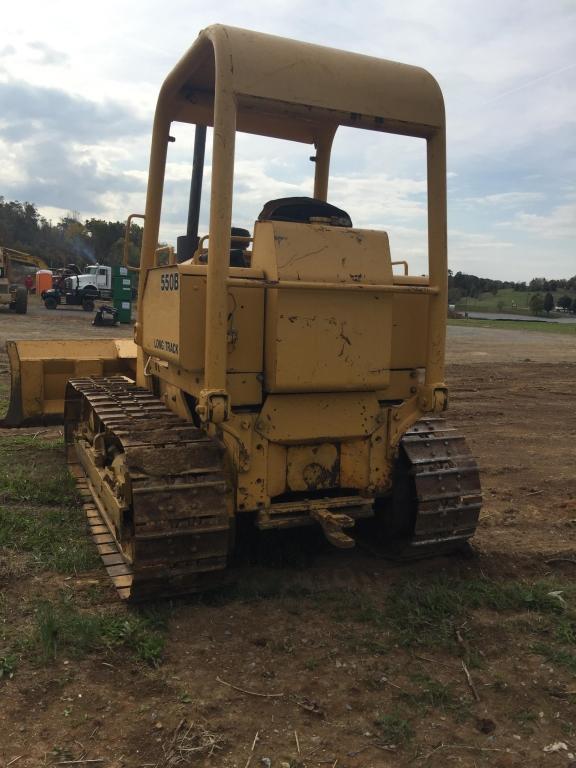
<point x="13" y="294"/>
<point x="97" y="279"/>
<point x="284" y="378"/>
<point x="56" y="297"/>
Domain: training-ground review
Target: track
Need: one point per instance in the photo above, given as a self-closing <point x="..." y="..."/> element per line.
<point x="154" y="486"/>
<point x="437" y="494"/>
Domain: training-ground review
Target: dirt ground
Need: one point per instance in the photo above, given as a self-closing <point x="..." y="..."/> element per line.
<point x="315" y="664"/>
<point x="61" y="323"/>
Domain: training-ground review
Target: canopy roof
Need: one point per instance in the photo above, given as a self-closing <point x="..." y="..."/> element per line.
<point x="298" y="91"/>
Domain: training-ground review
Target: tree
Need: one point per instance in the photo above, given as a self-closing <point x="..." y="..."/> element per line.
<point x="104" y="237"/>
<point x="536" y="303"/>
<point x="565" y="302"/>
<point x="22" y="228"/>
<point x="77" y="239"/>
<point x="454" y="295"/>
<point x="548" y="303"/>
<point x="538" y="284"/>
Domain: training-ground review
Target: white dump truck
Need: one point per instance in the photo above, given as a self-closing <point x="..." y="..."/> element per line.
<point x="96" y="281"/>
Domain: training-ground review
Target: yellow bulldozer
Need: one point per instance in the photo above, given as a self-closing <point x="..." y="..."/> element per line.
<point x="287" y="374"/>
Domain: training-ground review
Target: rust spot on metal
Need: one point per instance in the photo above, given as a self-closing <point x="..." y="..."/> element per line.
<point x="318" y="476"/>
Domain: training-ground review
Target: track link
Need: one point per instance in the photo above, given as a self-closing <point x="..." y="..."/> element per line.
<point x="440" y="490"/>
<point x="155" y="489"/>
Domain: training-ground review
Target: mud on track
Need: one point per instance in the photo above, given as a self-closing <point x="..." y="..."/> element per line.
<point x="350" y="689"/>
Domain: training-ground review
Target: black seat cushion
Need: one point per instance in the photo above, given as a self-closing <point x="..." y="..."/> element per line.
<point x="238" y="247"/>
<point x="302" y="209"/>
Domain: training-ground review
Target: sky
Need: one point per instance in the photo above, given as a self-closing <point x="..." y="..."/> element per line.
<point x="79" y="82"/>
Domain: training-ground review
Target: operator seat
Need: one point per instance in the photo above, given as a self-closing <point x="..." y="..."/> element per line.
<point x="238" y="249"/>
<point x="303" y="210"/>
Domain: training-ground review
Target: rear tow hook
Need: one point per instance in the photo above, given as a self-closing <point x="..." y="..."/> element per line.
<point x="332" y="524"/>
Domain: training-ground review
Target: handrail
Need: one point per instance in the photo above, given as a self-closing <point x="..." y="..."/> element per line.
<point x="309" y="285"/>
<point x="410" y="280"/>
<point x="127" y="240"/>
<point x="169" y="249"/>
<point x="404" y="263"/>
<point x="200" y="248"/>
<point x="203" y="239"/>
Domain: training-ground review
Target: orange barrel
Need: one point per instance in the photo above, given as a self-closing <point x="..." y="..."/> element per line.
<point x="43" y="281"/>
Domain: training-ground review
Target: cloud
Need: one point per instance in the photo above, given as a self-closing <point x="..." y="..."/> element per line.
<point x="61" y="150"/>
<point x="36" y="111"/>
<point x="64" y="176"/>
<point x="47" y="55"/>
<point x="559" y="224"/>
<point x="505" y="199"/>
<point x="379" y="198"/>
<point x="37" y="52"/>
<point x="484" y="254"/>
<point x="461" y="241"/>
<point x="506" y="69"/>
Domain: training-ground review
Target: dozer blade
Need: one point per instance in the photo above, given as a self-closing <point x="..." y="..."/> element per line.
<point x="40" y="371"/>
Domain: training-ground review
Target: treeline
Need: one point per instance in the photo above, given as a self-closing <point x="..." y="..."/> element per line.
<point x="69" y="241"/>
<point x="461" y="285"/>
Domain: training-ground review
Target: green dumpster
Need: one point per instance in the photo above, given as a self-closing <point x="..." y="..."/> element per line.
<point x="122" y="293"/>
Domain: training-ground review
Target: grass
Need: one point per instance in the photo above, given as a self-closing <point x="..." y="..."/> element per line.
<point x="7" y="666"/>
<point x="417" y="613"/>
<point x="565" y="629"/>
<point x="566" y="329"/>
<point x="393" y="728"/>
<point x="40" y="516"/>
<point x="4" y="395"/>
<point x="558" y="656"/>
<point x="507" y="298"/>
<point x="430" y="695"/>
<point x="40" y="513"/>
<point x="353" y="606"/>
<point x="376" y="645"/>
<point x="34" y="472"/>
<point x="55" y="538"/>
<point x="525" y="719"/>
<point x="61" y="628"/>
<point x="427" y="613"/>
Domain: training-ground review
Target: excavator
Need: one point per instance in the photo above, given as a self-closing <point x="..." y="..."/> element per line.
<point x="287" y="376"/>
<point x="12" y="294"/>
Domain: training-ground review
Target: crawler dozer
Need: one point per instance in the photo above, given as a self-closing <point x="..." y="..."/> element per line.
<point x="285" y="374"/>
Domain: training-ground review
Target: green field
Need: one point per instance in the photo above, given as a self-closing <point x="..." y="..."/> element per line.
<point x="506" y="300"/>
<point x="568" y="329"/>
